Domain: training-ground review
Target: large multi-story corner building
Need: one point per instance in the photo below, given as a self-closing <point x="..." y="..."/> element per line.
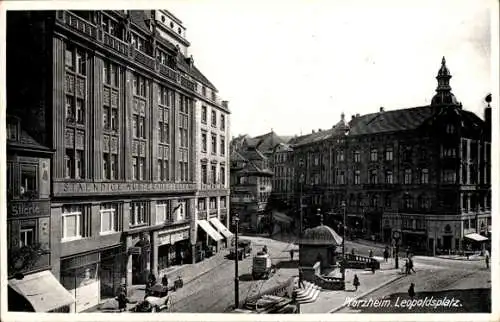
<point x="283" y="168"/>
<point x="117" y="98"/>
<point x="424" y="172"/>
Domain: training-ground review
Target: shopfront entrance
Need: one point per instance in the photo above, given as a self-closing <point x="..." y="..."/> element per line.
<point x="173" y="248"/>
<point x="140" y="261"/>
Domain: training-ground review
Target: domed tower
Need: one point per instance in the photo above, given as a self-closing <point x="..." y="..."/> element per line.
<point x="444" y="96"/>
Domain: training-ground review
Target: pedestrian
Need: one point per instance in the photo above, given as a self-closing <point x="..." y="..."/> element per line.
<point x="291" y="254"/>
<point x="122" y="301"/>
<point x="410" y="266"/>
<point x="370" y="254"/>
<point x="373" y="267"/>
<point x="164" y="280"/>
<point x="487" y="259"/>
<point x="386" y="254"/>
<point x="353" y="251"/>
<point x="411" y="290"/>
<point x="407" y="267"/>
<point x="408" y="251"/>
<point x="355" y="282"/>
<point x="152" y="279"/>
<point x="264" y="249"/>
<point x="301" y="277"/>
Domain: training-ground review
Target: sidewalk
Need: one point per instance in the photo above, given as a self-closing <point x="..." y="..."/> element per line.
<point x="330" y="301"/>
<point x="462" y="258"/>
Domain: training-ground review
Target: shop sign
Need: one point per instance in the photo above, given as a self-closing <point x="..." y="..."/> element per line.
<point x="82" y="188"/>
<point x="172" y="238"/>
<point x="135" y="250"/>
<point x="27" y="208"/>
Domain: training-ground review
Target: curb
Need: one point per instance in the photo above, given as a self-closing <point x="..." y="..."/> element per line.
<point x="461" y="259"/>
<point x="368" y="292"/>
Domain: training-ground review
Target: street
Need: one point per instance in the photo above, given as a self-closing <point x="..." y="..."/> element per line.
<point x="214" y="291"/>
<point x="459" y="286"/>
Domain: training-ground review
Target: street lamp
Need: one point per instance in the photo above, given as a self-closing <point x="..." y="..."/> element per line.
<point x="236" y="219"/>
<point x="343" y="242"/>
<point x="301" y="183"/>
<point x="396" y="237"/>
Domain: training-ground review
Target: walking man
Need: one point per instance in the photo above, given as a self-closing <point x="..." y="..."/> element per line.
<point x="386" y="254"/>
<point x="410" y="266"/>
<point x="291" y="254"/>
<point x="355" y="282"/>
<point x="122" y="301"/>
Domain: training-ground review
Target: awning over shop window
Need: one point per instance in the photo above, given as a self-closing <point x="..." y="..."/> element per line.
<point x="209" y="230"/>
<point x="476" y="237"/>
<point x="278" y="216"/>
<point x="43" y="291"/>
<point x="221" y="228"/>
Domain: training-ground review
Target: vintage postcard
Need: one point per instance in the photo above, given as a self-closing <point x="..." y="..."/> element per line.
<point x="172" y="160"/>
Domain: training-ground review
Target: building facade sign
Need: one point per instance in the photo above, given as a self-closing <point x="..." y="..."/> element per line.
<point x="28" y="208"/>
<point x="171" y="238"/>
<point x="84" y="188"/>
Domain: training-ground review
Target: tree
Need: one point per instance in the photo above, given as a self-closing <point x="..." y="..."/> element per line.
<point x="24" y="258"/>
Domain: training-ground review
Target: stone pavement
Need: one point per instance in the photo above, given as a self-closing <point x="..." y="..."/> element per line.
<point x="463" y="258"/>
<point x="369" y="282"/>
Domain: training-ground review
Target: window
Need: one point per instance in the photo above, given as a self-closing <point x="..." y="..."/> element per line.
<point x="142" y="169"/>
<point x="447" y="152"/>
<point x="105" y="118"/>
<point x="214" y="174"/>
<point x="341" y="178"/>
<point x="407" y="202"/>
<point x="164" y="96"/>
<point x="222" y="175"/>
<point x="357" y="156"/>
<point x="204" y="175"/>
<point x="466" y="224"/>
<point x="424" y="176"/>
<point x="389" y="177"/>
<point x="450" y="129"/>
<point x="222" y="122"/>
<point x="213" y="203"/>
<point x="27" y="234"/>
<point x="340" y="155"/>
<point x="186" y="107"/>
<point x="80" y="111"/>
<point x="373" y="176"/>
<point x="74" y="164"/>
<point x="214" y="144"/>
<point x="214" y="119"/>
<point x="110" y="166"/>
<point x="202" y="204"/>
<point x="373" y="155"/>
<point x="204" y="91"/>
<point x="222" y="146"/>
<point x="111" y="74"/>
<point x="407" y="176"/>
<point x="374" y="201"/>
<point x="425" y="202"/>
<point x="135" y="171"/>
<point x="388" y="200"/>
<point x="389" y="153"/>
<point x="139" y="85"/>
<point x="357" y="175"/>
<point x="81" y="62"/>
<point x="223" y="204"/>
<point x="28" y="184"/>
<point x="138" y="213"/>
<point x="204" y="114"/>
<point x="109" y="218"/>
<point x="448" y="176"/>
<point x="138" y="42"/>
<point x="203" y="142"/>
<point x="162" y="212"/>
<point x="182" y="213"/>
<point x="69" y="57"/>
<point x="12" y="131"/>
<point x="74" y="225"/>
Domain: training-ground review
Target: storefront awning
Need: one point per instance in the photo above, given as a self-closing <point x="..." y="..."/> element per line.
<point x="209" y="230"/>
<point x="278" y="216"/>
<point x="221" y="228"/>
<point x="43" y="291"/>
<point x="476" y="237"/>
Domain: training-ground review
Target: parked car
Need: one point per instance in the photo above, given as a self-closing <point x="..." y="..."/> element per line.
<point x="244" y="249"/>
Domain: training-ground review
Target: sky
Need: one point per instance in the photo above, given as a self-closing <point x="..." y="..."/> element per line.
<point x="296" y="66"/>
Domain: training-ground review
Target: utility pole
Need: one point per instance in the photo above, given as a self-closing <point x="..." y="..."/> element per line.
<point x="236" y="273"/>
<point x="301" y="183"/>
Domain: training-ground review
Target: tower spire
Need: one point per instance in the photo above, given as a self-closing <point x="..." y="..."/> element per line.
<point x="443" y="90"/>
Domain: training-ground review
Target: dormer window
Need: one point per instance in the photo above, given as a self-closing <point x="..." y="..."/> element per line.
<point x="12" y="129"/>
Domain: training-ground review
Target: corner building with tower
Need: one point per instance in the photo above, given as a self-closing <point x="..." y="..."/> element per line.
<point x="117" y="99"/>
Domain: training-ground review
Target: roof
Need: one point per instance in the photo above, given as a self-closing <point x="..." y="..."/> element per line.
<point x="252" y="154"/>
<point x="391" y="121"/>
<point x="236" y="156"/>
<point x="268" y="141"/>
<point x="252" y="168"/>
<point x="27" y="142"/>
<point x="321" y="235"/>
<point x="318" y="136"/>
<point x="139" y="17"/>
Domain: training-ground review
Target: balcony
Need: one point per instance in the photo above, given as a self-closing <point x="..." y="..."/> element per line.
<point x="169" y="73"/>
<point x="79" y="24"/>
<point x="116" y="44"/>
<point x="380" y="186"/>
<point x="212" y="212"/>
<point x="144" y="59"/>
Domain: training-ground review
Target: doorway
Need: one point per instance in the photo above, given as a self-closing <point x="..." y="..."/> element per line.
<point x="447" y="242"/>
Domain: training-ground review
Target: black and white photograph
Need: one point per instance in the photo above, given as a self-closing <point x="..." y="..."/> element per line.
<point x="180" y="157"/>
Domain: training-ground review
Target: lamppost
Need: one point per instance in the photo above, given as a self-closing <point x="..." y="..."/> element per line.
<point x="301" y="183"/>
<point x="236" y="219"/>
<point x="396" y="237"/>
<point x="343" y="242"/>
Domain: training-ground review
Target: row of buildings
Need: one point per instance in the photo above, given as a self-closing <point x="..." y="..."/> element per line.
<point x="117" y="155"/>
<point x="424" y="172"/>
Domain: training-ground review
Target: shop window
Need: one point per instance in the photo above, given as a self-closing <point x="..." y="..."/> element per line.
<point x="109" y="218"/>
<point x="28" y="180"/>
<point x="223" y="204"/>
<point x="202" y="204"/>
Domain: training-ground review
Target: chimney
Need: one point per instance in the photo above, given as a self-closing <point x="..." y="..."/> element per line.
<point x="381" y="109"/>
<point x="342" y="117"/>
<point x="225" y="104"/>
<point x="313" y="131"/>
<point x="487" y="116"/>
<point x="353" y="117"/>
<point x="357" y="115"/>
<point x="319" y="130"/>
